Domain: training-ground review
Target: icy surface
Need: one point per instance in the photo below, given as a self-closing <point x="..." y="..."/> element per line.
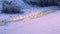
<point x="49" y="24"/>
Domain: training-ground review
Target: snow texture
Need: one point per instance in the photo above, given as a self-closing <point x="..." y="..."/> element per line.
<point x="49" y="24"/>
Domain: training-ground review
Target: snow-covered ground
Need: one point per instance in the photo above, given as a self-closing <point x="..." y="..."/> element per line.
<point x="49" y="24"/>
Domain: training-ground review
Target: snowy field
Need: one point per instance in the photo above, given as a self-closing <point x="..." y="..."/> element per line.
<point x="48" y="24"/>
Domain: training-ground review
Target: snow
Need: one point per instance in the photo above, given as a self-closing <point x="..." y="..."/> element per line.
<point x="48" y="24"/>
